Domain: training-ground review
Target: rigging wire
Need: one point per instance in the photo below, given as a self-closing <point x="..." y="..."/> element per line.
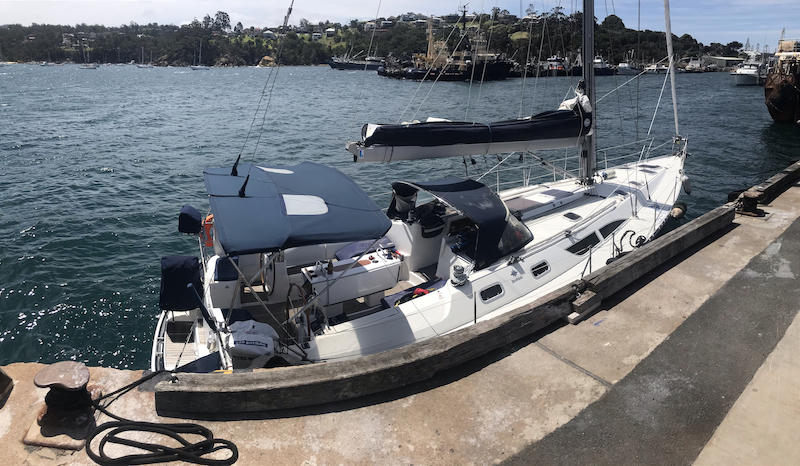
<point x="439" y="54"/>
<point x="525" y="66"/>
<point x="539" y="61"/>
<point x="261" y="98"/>
<point x="476" y="51"/>
<point x="353" y="123"/>
<point x="274" y="80"/>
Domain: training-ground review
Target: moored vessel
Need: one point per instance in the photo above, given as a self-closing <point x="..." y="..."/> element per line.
<point x="298" y="265"/>
<point x="782" y="86"/>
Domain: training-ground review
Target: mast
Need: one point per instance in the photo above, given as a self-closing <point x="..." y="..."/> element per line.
<point x="668" y="27"/>
<point x="588" y="142"/>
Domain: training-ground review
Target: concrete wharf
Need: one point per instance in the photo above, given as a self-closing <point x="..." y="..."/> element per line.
<point x="695" y="362"/>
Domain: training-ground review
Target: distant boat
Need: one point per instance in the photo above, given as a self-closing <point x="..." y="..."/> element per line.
<point x="626" y="69"/>
<point x="199" y="65"/>
<point x="781" y="92"/>
<point x="347" y="62"/>
<point x="86" y="64"/>
<point x="601" y="68"/>
<point x="749" y="74"/>
<point x="554" y="66"/>
<point x="694" y="66"/>
<point x="440" y="64"/>
<point x="656" y="69"/>
<point x="143" y="64"/>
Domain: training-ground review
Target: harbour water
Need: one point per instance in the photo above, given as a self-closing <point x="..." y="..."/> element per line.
<point x="96" y="164"/>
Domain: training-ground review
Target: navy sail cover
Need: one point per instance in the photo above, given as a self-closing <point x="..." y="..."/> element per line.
<point x="291" y="206"/>
<point x="554" y="124"/>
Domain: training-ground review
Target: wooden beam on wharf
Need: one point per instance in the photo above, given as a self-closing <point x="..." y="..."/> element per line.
<point x="776" y="184"/>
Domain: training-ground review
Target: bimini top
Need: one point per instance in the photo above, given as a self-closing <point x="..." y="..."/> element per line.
<point x="498" y="232"/>
<point x="285" y="207"/>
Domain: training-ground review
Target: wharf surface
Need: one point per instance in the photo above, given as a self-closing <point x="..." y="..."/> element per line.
<point x="694" y="363"/>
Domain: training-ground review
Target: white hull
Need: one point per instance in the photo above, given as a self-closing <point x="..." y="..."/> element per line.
<point x="745" y="79"/>
<point x="632" y="204"/>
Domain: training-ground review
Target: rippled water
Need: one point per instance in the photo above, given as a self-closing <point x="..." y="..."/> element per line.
<point x="97" y="163"/>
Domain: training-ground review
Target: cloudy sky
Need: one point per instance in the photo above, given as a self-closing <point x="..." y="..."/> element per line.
<point x="707" y="21"/>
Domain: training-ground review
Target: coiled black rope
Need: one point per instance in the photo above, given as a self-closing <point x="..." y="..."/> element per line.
<point x="190" y="452"/>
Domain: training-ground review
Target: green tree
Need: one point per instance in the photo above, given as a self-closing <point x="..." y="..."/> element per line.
<point x="222" y="22"/>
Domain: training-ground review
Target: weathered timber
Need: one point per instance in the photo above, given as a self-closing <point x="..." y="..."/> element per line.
<point x="293" y="387"/>
<point x="584" y="305"/>
<point x="621" y="273"/>
<point x="777" y="184"/>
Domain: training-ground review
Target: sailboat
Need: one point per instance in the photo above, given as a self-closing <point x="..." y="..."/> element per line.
<point x="199" y="65"/>
<point x="143" y="64"/>
<point x="299" y="266"/>
<point x="87" y="65"/>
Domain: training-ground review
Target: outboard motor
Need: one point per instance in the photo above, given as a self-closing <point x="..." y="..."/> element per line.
<point x="189" y="220"/>
<point x="176" y="273"/>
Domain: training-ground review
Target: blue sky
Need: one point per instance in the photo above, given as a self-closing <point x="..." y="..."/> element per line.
<point x="707" y="21"/>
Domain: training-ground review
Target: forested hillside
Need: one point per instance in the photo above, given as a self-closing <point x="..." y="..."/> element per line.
<point x="551" y="33"/>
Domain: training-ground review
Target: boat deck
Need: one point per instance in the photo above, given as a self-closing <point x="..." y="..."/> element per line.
<point x="179" y="339"/>
<point x="276" y="313"/>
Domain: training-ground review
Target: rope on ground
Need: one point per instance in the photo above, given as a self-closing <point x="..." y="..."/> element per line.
<point x="190" y="452"/>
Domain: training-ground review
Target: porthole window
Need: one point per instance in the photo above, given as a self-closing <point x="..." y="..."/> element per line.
<point x="540" y="269"/>
<point x="572" y="216"/>
<point x="491" y="292"/>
